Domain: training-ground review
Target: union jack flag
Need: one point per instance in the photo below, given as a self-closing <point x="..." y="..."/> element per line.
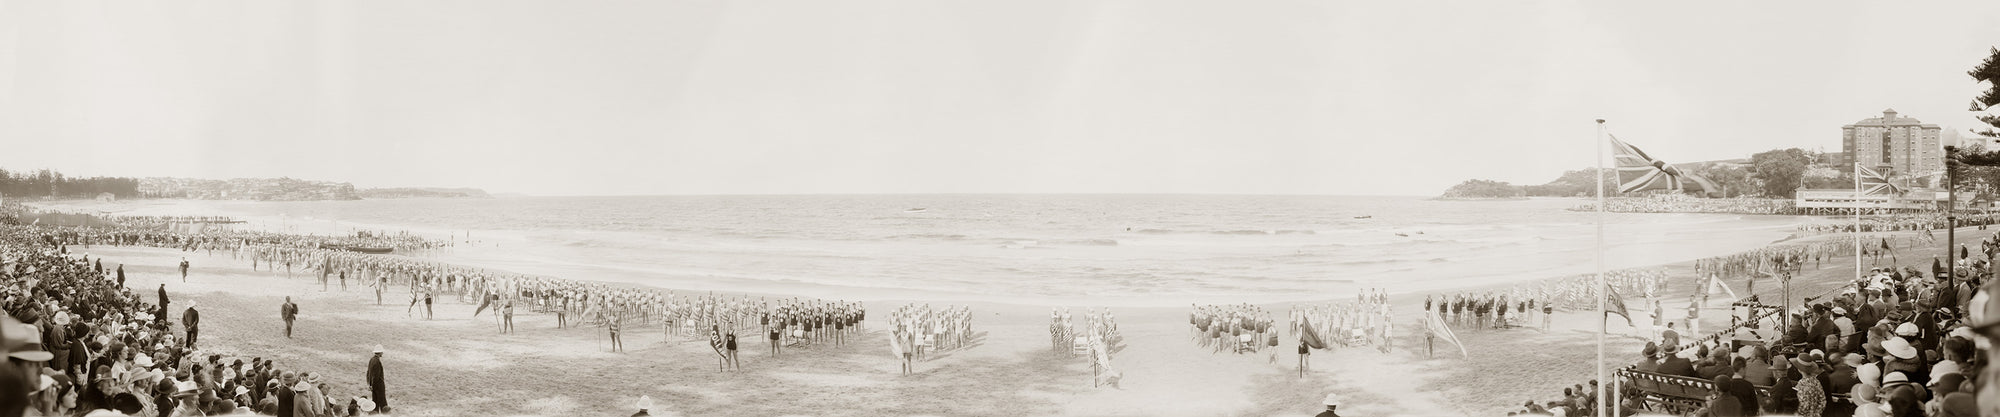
<point x="1873" y="183"/>
<point x="1639" y="172"/>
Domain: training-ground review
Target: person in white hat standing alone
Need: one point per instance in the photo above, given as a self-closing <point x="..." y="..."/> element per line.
<point x="1332" y="402"/>
<point x="377" y="389"/>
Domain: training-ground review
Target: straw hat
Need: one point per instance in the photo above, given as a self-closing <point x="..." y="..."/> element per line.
<point x="143" y="360"/>
<point x="378" y="348"/>
<point x="645" y="403"/>
<point x="185" y="389"/>
<point x="364" y="404"/>
<point x="1899" y="348"/>
<point x="1907" y="329"/>
<point x="18" y="345"/>
<point x="192" y="303"/>
<point x="302" y="386"/>
<point x="1332" y="399"/>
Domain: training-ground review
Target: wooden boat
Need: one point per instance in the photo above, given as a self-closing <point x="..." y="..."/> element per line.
<point x="1365" y="217"/>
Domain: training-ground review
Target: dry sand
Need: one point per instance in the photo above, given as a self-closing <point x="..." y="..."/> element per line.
<point x="458" y="365"/>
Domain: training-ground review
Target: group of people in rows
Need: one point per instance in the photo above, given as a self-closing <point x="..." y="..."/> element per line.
<point x="920" y="330"/>
<point x="1900" y="223"/>
<point x="1685" y="204"/>
<point x="1096" y="336"/>
<point x="79" y="343"/>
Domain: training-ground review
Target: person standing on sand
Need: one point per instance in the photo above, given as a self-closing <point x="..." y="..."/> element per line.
<point x="191" y="319"/>
<point x="121" y="275"/>
<point x="507" y="314"/>
<point x="184" y="269"/>
<point x="617" y="345"/>
<point x="377" y="388"/>
<point x="160" y="316"/>
<point x="1305" y="358"/>
<point x="288" y="312"/>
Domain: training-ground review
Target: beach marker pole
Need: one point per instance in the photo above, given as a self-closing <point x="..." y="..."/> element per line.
<point x="1600" y="266"/>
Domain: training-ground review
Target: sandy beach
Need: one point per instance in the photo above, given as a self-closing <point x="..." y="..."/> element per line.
<point x="459" y="365"/>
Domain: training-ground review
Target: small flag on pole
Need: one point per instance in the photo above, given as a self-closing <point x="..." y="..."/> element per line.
<point x="1310" y="335"/>
<point x="1614" y="304"/>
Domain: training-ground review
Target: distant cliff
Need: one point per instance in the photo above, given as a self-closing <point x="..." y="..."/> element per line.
<point x="381" y="193"/>
<point x="260" y="189"/>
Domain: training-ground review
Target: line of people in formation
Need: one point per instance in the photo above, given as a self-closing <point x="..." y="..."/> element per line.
<point x="1533" y="304"/>
<point x="87" y="345"/>
<point x="1096" y="337"/>
<point x="1236" y="328"/>
<point x="1681" y="204"/>
<point x="1893" y="343"/>
<point x="1365" y="321"/>
<point x="796" y="321"/>
<point x="1902" y="223"/>
<point x="118" y="233"/>
<point x="1792" y="258"/>
<point x="919" y="331"/>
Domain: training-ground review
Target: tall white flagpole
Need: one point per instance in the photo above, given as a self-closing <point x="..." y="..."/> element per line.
<point x="1857" y="219"/>
<point x="1601" y="398"/>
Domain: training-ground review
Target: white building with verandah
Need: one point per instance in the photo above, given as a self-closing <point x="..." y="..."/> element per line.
<point x="1846" y="201"/>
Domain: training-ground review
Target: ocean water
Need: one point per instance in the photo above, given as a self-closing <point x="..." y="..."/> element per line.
<point x="1100" y="249"/>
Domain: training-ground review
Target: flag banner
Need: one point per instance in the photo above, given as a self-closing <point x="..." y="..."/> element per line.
<point x="1874" y="183"/>
<point x="488" y="301"/>
<point x="1443" y="332"/>
<point x="1614" y="304"/>
<point x="1310" y="335"/>
<point x="895" y="346"/>
<point x="715" y="341"/>
<point x="1640" y="172"/>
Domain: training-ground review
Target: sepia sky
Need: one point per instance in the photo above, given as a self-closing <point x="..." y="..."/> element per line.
<point x="1013" y="96"/>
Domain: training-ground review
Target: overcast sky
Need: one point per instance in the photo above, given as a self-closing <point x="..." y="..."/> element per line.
<point x="1006" y="96"/>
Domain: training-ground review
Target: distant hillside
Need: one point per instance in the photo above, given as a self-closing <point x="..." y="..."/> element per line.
<point x="423" y="192"/>
<point x="260" y="189"/>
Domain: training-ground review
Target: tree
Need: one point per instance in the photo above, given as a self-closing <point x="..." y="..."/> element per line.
<point x="1989" y="73"/>
<point x="1577" y="183"/>
<point x="1483" y="189"/>
<point x="1733" y="180"/>
<point x="1781" y="171"/>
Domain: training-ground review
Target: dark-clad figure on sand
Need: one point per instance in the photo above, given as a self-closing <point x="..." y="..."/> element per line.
<point x="377" y="388"/>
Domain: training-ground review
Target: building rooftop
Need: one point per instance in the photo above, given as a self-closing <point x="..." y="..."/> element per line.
<point x="1890" y="118"/>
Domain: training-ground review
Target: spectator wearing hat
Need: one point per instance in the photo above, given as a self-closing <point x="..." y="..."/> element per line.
<point x="1651" y="362"/>
<point x="1811" y="394"/>
<point x="1783" y="399"/>
<point x="1676" y="364"/>
<point x="1844" y="375"/>
<point x="378" y="388"/>
<point x="645" y="406"/>
<point x="186" y="400"/>
<point x="1903" y="358"/>
<point x="58" y="341"/>
<point x="1332" y="402"/>
<point x="288" y="396"/>
<point x="1720" y="402"/>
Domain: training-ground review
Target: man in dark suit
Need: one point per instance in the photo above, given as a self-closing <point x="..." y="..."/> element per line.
<point x="191" y="319"/>
<point x="286" y="395"/>
<point x="289" y="312"/>
<point x="1676" y="365"/>
<point x="161" y="316"/>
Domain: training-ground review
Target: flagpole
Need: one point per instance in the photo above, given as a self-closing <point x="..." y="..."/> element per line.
<point x="1857" y="219"/>
<point x="1600" y="270"/>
